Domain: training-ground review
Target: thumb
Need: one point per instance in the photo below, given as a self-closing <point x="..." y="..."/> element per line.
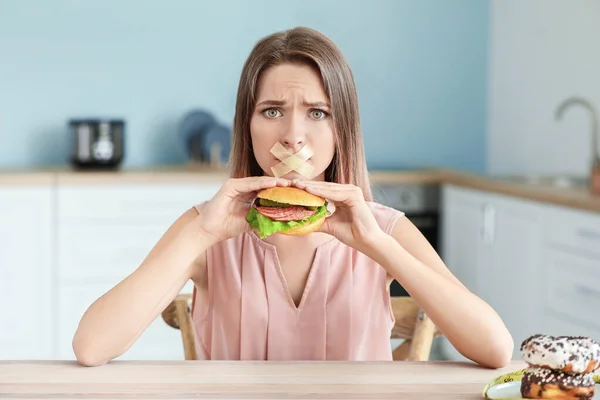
<point x="326" y="226"/>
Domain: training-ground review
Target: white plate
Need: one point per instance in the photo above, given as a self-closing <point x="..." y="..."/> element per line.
<point x="512" y="390"/>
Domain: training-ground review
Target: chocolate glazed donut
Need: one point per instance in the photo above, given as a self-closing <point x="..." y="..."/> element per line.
<point x="544" y="383"/>
<point x="572" y="354"/>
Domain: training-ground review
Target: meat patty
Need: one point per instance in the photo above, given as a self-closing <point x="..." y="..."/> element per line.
<point x="292" y="213"/>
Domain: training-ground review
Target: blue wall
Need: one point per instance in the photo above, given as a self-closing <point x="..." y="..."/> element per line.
<point x="420" y="68"/>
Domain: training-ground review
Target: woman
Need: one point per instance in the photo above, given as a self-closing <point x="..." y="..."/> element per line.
<point x="319" y="296"/>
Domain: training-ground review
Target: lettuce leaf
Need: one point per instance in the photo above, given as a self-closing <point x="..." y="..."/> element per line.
<point x="266" y="226"/>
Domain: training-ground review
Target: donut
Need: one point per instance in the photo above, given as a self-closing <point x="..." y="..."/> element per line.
<point x="573" y="354"/>
<point x="544" y="383"/>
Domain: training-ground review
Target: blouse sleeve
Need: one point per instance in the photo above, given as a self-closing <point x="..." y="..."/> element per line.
<point x="386" y="216"/>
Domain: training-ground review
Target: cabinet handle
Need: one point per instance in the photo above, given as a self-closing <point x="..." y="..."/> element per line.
<point x="588" y="233"/>
<point x="489" y="224"/>
<point x="588" y="291"/>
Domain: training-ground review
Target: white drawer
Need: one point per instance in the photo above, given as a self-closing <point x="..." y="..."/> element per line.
<point x="573" y="288"/>
<point x="104" y="251"/>
<point x="26" y="273"/>
<point x="134" y="203"/>
<point x="572" y="229"/>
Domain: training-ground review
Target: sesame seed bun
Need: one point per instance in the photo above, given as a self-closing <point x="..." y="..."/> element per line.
<point x="292" y="196"/>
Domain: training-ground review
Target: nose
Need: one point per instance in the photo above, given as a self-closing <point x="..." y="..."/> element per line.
<point x="294" y="134"/>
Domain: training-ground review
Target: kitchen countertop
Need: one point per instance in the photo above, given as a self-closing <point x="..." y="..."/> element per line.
<point x="577" y="197"/>
<point x="247" y="379"/>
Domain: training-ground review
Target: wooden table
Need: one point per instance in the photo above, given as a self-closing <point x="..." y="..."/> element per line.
<point x="246" y="380"/>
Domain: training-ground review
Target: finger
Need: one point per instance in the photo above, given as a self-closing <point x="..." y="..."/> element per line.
<point x="283" y="182"/>
<point x="247" y="197"/>
<point x="335" y="195"/>
<point x="323" y="228"/>
<point x="267" y="179"/>
<point x="254" y="184"/>
<point x="307" y="182"/>
<point x="330" y="187"/>
<point x="322" y="184"/>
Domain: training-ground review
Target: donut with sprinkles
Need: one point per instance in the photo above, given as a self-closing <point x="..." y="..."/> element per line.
<point x="571" y="354"/>
<point x="545" y="383"/>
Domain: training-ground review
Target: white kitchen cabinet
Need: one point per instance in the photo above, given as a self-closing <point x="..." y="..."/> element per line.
<point x="461" y="230"/>
<point x="571" y="294"/>
<point x="461" y="236"/>
<point x="572" y="231"/>
<point x="492" y="244"/>
<point x="512" y="263"/>
<point x="103" y="234"/>
<point x="571" y="275"/>
<point x="27" y="290"/>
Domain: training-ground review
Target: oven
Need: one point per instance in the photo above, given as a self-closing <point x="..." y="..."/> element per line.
<point x="421" y="204"/>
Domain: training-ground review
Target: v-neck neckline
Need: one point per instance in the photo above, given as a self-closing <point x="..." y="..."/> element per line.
<point x="311" y="273"/>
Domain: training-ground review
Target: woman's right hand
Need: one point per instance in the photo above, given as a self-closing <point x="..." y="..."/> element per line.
<point x="224" y="216"/>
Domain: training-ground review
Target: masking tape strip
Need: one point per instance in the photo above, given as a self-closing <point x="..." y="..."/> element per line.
<point x="292" y="162"/>
<point x="514" y="377"/>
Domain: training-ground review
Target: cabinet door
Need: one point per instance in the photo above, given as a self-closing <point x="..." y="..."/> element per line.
<point x="572" y="231"/>
<point x="511" y="264"/>
<point x="571" y="278"/>
<point x="492" y="243"/>
<point x="571" y="293"/>
<point x="462" y="234"/>
<point x="104" y="233"/>
<point x="26" y="272"/>
<point x="461" y="247"/>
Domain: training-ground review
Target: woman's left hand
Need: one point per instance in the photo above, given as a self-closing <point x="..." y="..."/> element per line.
<point x="352" y="222"/>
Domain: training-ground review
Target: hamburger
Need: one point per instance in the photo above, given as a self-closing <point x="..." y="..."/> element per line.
<point x="286" y="210"/>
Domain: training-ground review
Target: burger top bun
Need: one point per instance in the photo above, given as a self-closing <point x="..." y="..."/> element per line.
<point x="291" y="195"/>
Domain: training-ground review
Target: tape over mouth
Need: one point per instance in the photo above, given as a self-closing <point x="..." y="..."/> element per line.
<point x="290" y="161"/>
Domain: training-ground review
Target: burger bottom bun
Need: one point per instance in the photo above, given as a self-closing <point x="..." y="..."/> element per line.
<point x="304" y="229"/>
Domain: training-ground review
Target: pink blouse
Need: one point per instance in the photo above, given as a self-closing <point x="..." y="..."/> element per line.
<point x="248" y="313"/>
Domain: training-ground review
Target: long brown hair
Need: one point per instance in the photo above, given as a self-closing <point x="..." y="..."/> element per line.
<point x="304" y="45"/>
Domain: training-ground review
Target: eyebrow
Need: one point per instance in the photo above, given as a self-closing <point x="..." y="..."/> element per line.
<point x="282" y="103"/>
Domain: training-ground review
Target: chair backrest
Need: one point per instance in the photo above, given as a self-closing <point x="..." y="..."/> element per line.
<point x="415" y="327"/>
<point x="178" y="315"/>
<point x="412" y="325"/>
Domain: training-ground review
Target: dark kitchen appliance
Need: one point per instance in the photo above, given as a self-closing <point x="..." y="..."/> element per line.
<point x="97" y="143"/>
<point x="421" y="204"/>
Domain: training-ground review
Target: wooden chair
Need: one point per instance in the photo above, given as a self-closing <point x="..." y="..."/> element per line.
<point x="412" y="325"/>
<point x="178" y="316"/>
<point x="415" y="327"/>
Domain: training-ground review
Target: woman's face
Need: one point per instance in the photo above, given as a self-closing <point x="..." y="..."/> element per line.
<point x="293" y="109"/>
